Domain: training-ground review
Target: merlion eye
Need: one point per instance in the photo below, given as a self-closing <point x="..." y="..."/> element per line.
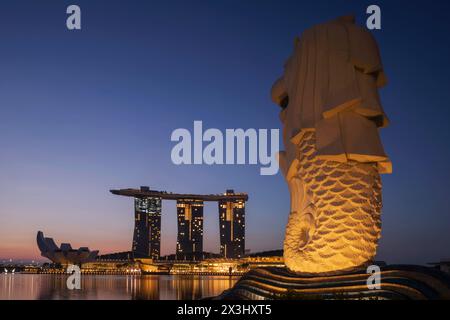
<point x="284" y="102"/>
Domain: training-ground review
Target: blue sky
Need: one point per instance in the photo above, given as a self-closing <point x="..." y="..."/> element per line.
<point x="86" y="111"/>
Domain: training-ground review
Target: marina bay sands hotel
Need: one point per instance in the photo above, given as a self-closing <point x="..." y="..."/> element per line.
<point x="147" y="227"/>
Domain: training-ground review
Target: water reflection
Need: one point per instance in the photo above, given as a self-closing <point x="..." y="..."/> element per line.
<point x="150" y="287"/>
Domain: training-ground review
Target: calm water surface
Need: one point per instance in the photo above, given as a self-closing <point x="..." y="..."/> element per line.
<point x="148" y="287"/>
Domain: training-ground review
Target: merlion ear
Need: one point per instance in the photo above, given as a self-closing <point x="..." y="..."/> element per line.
<point x="279" y="91"/>
<point x="347" y="19"/>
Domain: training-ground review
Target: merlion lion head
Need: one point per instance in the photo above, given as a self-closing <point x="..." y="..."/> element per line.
<point x="331" y="114"/>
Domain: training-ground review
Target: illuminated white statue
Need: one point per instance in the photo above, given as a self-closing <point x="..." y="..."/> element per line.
<point x="331" y="114"/>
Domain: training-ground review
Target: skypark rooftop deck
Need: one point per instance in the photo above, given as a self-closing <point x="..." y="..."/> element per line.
<point x="145" y="192"/>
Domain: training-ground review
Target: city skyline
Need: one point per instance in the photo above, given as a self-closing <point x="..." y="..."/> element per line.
<point x="87" y="111"/>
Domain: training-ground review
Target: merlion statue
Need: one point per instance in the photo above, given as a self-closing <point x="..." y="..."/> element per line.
<point x="333" y="157"/>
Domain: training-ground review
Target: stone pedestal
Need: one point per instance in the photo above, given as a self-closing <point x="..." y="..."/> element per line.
<point x="398" y="282"/>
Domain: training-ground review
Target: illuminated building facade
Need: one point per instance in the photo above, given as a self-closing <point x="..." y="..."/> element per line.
<point x="232" y="227"/>
<point x="190" y="229"/>
<point x="147" y="231"/>
<point x="147" y="227"/>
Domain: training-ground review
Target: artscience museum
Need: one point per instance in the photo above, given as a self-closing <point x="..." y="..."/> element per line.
<point x="64" y="254"/>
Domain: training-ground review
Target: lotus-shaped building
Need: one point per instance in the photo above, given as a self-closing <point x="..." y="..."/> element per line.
<point x="65" y="254"/>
